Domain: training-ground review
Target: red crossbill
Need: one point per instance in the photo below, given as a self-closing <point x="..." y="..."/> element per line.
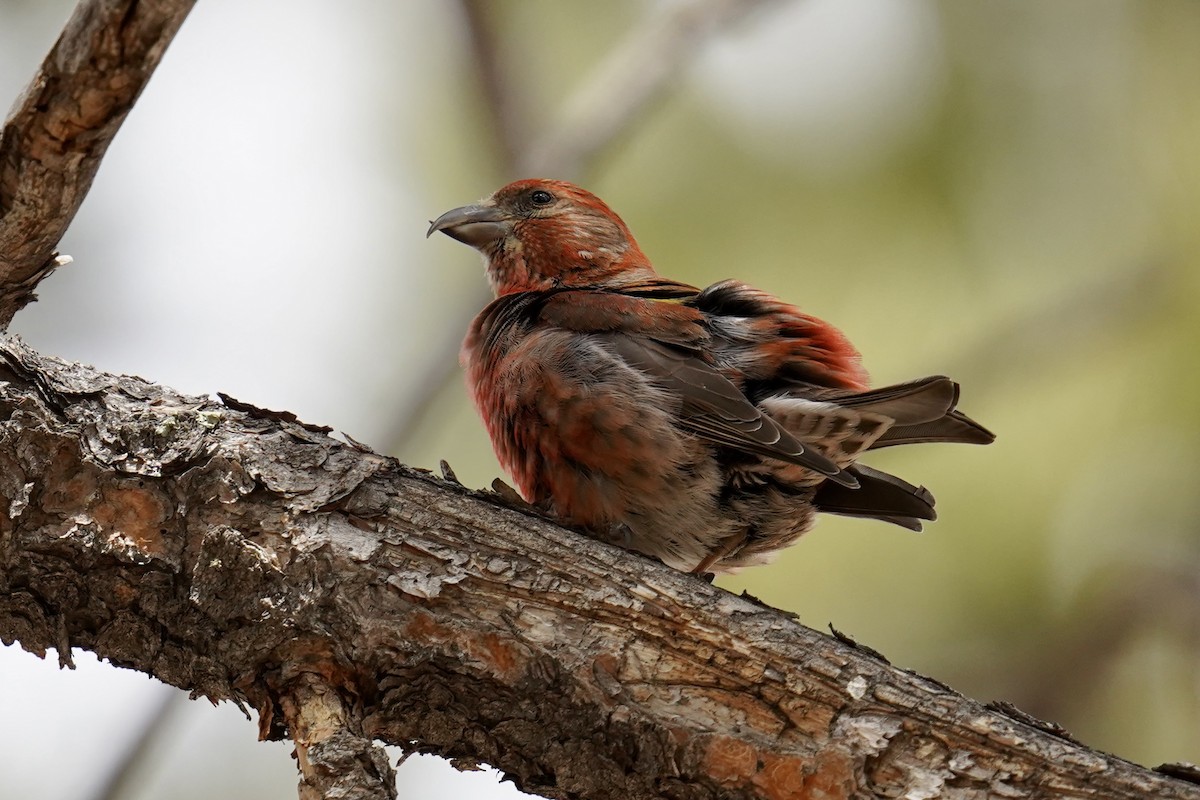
<point x="706" y="427"/>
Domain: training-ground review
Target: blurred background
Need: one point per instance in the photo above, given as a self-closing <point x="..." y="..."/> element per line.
<point x="1008" y="193"/>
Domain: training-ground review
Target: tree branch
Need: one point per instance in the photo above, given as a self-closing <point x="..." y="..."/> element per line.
<point x="127" y="769"/>
<point x="505" y="104"/>
<point x="620" y="89"/>
<point x="335" y="759"/>
<point x="59" y="130"/>
<point x="242" y="555"/>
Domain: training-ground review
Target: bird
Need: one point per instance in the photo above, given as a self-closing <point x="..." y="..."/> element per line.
<point x="705" y="428"/>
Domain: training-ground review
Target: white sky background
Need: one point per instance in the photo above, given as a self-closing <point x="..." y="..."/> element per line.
<point x="257" y="228"/>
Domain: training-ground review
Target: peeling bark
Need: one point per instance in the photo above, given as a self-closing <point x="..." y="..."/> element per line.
<point x="335" y="760"/>
<point x="247" y="557"/>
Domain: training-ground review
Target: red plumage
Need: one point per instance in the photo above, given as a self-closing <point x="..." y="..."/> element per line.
<point x="703" y="427"/>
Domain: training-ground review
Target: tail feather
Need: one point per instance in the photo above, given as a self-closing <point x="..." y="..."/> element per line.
<point x="922" y="410"/>
<point x="954" y="427"/>
<point x="911" y="403"/>
<point x="880" y="495"/>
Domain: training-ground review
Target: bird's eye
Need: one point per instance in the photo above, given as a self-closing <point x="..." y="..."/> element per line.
<point x="541" y="198"/>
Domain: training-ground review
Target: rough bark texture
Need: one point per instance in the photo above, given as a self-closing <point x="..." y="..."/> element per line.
<point x="59" y="129"/>
<point x="245" y="556"/>
<point x="335" y="759"/>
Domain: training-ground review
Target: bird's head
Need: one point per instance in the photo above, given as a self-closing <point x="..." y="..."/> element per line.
<point x="539" y="234"/>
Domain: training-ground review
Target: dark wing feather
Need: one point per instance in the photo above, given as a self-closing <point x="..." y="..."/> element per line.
<point x="715" y="409"/>
<point x="954" y="427"/>
<point x="911" y="403"/>
<point x="880" y="495"/>
<point x="923" y="410"/>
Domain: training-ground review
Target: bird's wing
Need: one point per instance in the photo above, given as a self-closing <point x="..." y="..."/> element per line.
<point x="716" y="409"/>
<point x="664" y="340"/>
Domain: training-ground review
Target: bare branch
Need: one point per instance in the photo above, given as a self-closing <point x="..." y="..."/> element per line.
<point x="59" y="130"/>
<point x="127" y="768"/>
<point x="505" y="103"/>
<point x="335" y="759"/>
<point x="241" y="555"/>
<point x="636" y="72"/>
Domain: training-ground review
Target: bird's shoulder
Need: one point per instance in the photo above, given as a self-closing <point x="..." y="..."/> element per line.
<point x="663" y="319"/>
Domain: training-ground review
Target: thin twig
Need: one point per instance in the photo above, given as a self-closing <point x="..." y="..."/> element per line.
<point x="634" y="74"/>
<point x="128" y="767"/>
<point x="606" y="107"/>
<point x="505" y="105"/>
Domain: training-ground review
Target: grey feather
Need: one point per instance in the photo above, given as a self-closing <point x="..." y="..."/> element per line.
<point x="716" y="409"/>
